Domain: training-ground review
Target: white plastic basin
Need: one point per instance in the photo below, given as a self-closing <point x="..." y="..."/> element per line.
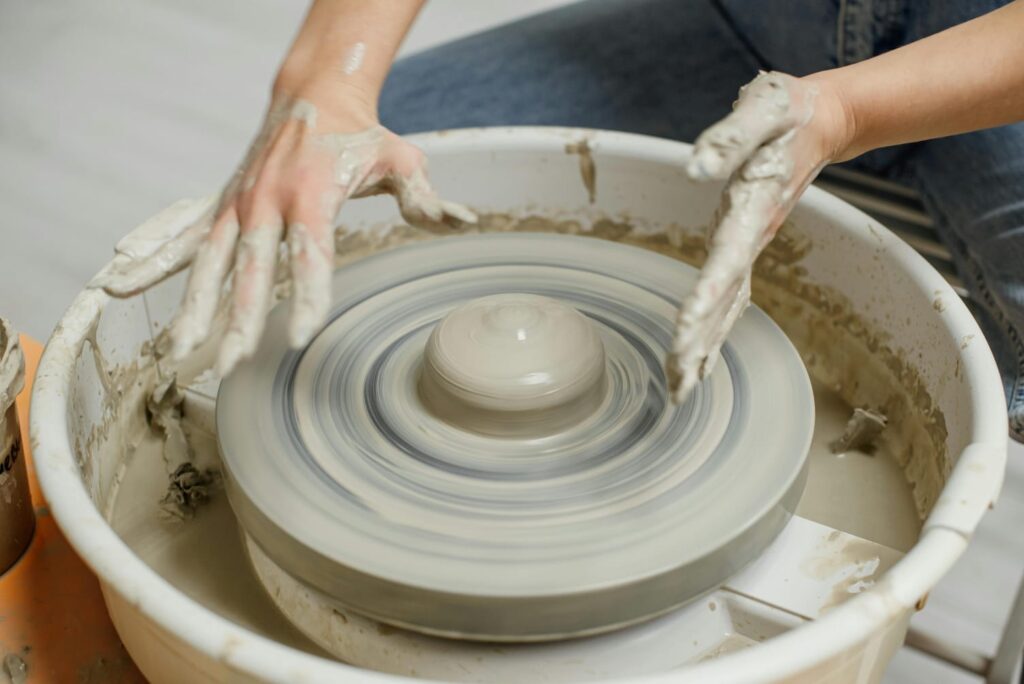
<point x="869" y="314"/>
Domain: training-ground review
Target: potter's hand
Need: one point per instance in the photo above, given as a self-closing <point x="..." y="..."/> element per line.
<point x="781" y="133"/>
<point x="302" y="166"/>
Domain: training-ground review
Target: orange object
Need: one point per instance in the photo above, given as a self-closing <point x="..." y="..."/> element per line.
<point x="52" y="614"/>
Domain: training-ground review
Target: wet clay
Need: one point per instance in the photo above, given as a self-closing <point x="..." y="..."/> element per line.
<point x="513" y="364"/>
<point x="189" y="487"/>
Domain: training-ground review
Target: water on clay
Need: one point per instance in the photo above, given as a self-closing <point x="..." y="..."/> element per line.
<point x="865" y="495"/>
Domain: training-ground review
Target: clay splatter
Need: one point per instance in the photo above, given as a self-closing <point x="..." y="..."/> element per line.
<point x="354" y="58"/>
<point x="588" y="170"/>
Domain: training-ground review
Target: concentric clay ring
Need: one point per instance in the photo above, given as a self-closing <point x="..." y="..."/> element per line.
<point x="563" y="508"/>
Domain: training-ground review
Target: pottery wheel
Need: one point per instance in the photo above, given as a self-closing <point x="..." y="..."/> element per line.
<point x="396" y="467"/>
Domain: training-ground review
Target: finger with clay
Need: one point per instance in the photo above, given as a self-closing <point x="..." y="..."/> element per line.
<point x="784" y="130"/>
<point x="289" y="188"/>
<point x="320" y="144"/>
<point x="777" y="139"/>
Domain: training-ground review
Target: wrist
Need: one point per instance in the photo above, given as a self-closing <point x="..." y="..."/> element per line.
<point x="833" y="121"/>
<point x="343" y="105"/>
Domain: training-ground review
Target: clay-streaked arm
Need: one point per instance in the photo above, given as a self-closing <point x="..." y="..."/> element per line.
<point x="343" y="53"/>
<point x="319" y="145"/>
<point x="784" y="130"/>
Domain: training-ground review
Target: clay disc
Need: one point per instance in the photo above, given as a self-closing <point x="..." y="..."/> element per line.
<point x="349" y="483"/>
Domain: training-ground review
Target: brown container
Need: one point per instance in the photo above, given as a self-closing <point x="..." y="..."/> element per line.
<point x="17" y="519"/>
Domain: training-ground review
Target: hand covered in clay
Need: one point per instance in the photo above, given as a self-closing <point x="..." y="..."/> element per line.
<point x="301" y="167"/>
<point x="781" y="133"/>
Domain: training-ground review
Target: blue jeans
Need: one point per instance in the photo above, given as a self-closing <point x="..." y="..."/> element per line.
<point x="670" y="68"/>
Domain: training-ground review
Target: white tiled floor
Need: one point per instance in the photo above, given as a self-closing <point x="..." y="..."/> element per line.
<point x="111" y="110"/>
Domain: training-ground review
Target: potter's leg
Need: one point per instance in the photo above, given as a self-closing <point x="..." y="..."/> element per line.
<point x="661" y="67"/>
<point x="973" y="187"/>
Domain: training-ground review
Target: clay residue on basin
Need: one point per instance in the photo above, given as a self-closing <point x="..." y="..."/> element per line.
<point x="588" y="169"/>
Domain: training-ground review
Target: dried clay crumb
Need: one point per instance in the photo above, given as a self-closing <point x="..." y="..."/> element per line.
<point x="861" y="432"/>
